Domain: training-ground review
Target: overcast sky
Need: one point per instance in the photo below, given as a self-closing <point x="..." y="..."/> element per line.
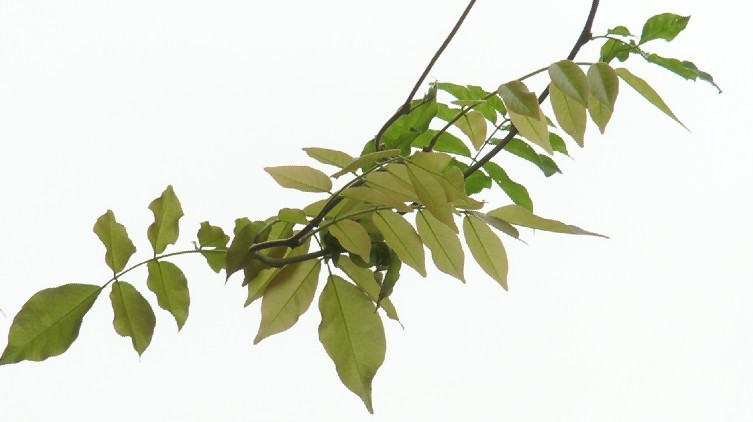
<point x="103" y="104"/>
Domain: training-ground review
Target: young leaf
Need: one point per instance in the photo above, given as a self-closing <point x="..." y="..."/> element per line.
<point x="570" y="80"/>
<point x="558" y="144"/>
<point x="288" y="297"/>
<point x="517" y="192"/>
<point x="665" y="26"/>
<point x="443" y="243"/>
<point x="367" y="160"/>
<point x="134" y="316"/>
<point x="520" y="216"/>
<point x="302" y="178"/>
<point x="353" y="336"/>
<point x="364" y="278"/>
<point x="673" y="65"/>
<point x="118" y="247"/>
<point x="600" y="113"/>
<point x="167" y="212"/>
<point x="329" y="156"/>
<point x="615" y="48"/>
<point x="170" y="286"/>
<point x="473" y="125"/>
<point x="486" y="248"/>
<point x="604" y="90"/>
<point x="519" y="100"/>
<point x="401" y="238"/>
<point x="48" y="323"/>
<point x="570" y="114"/>
<point x="647" y="92"/>
<point x="353" y="237"/>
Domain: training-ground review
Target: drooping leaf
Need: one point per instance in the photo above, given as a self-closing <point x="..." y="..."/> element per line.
<point x="118" y="247"/>
<point x="167" y="211"/>
<point x="237" y="254"/>
<point x="364" y="278"/>
<point x="517" y="192"/>
<point x="288" y="297"/>
<point x="570" y="114"/>
<point x="486" y="248"/>
<point x="391" y="183"/>
<point x="473" y="125"/>
<point x="302" y="178"/>
<point x="431" y="193"/>
<point x="401" y="238"/>
<point x="604" y="90"/>
<point x="600" y="113"/>
<point x="353" y="237"/>
<point x="446" y="142"/>
<point x="558" y="144"/>
<point x="257" y="282"/>
<point x="134" y="316"/>
<point x="170" y="286"/>
<point x="570" y="80"/>
<point x="391" y="276"/>
<point x="665" y="26"/>
<point x="376" y="197"/>
<point x="520" y="216"/>
<point x="647" y="92"/>
<point x="213" y="237"/>
<point x="519" y="100"/>
<point x="533" y="129"/>
<point x="48" y="323"/>
<point x="353" y="336"/>
<point x="292" y="215"/>
<point x="443" y="243"/>
<point x="523" y="150"/>
<point x="476" y="182"/>
<point x="616" y="48"/>
<point x="675" y="66"/>
<point x="498" y="224"/>
<point x="367" y="160"/>
<point x="702" y="75"/>
<point x="329" y="156"/>
<point x="619" y="30"/>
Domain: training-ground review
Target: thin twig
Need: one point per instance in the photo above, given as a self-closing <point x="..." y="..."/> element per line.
<point x="405" y="108"/>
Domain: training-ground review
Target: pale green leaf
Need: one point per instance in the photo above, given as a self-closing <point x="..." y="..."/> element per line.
<point x="533" y="129"/>
<point x="329" y="156"/>
<point x="237" y="254"/>
<point x="353" y="336"/>
<point x="600" y="113"/>
<point x="134" y="316"/>
<point x="663" y="26"/>
<point x="401" y="238"/>
<point x="367" y="160"/>
<point x="292" y="215"/>
<point x="473" y="125"/>
<point x="302" y="178"/>
<point x="118" y="247"/>
<point x="570" y="80"/>
<point x="167" y="211"/>
<point x="48" y="323"/>
<point x="570" y="114"/>
<point x="443" y="243"/>
<point x="170" y="286"/>
<point x="258" y="282"/>
<point x="288" y="297"/>
<point x="604" y="84"/>
<point x="486" y="248"/>
<point x="431" y="193"/>
<point x="376" y="197"/>
<point x="519" y="100"/>
<point x="215" y="239"/>
<point x="520" y="216"/>
<point x="647" y="92"/>
<point x="353" y="237"/>
<point x="498" y="224"/>
<point x="391" y="183"/>
<point x="364" y="278"/>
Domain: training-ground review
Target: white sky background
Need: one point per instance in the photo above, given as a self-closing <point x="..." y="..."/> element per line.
<point x="103" y="104"/>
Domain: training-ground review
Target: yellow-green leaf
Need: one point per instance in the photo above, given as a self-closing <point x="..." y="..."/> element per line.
<point x="443" y="243"/>
<point x="288" y="297"/>
<point x="431" y="193"/>
<point x="401" y="238"/>
<point x="389" y="183"/>
<point x="520" y="216"/>
<point x="519" y="100"/>
<point x="367" y="160"/>
<point x="473" y="125"/>
<point x="353" y="237"/>
<point x="364" y="278"/>
<point x="376" y="197"/>
<point x="237" y="256"/>
<point x="118" y="247"/>
<point x="647" y="92"/>
<point x="570" y="80"/>
<point x="486" y="248"/>
<point x="48" y="323"/>
<point x="533" y="129"/>
<point x="167" y="211"/>
<point x="258" y="283"/>
<point x="600" y="113"/>
<point x="329" y="156"/>
<point x="498" y="224"/>
<point x="353" y="336"/>
<point x="302" y="178"/>
<point x="292" y="215"/>
<point x="170" y="286"/>
<point x="604" y="89"/>
<point x="570" y="114"/>
<point x="134" y="316"/>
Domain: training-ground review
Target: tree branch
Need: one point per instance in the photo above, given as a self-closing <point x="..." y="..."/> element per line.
<point x="405" y="108"/>
<point x="583" y="38"/>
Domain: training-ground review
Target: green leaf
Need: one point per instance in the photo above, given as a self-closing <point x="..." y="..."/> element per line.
<point x="520" y="216"/>
<point x="287" y="298"/>
<point x="523" y="150"/>
<point x="134" y="316"/>
<point x="490" y="105"/>
<point x="486" y="248"/>
<point x="647" y="92"/>
<point x="431" y="193"/>
<point x="517" y="192"/>
<point x="118" y="247"/>
<point x="498" y="224"/>
<point x="570" y="80"/>
<point x="353" y="237"/>
<point x="673" y="65"/>
<point x="237" y="254"/>
<point x="665" y="26"/>
<point x="446" y="142"/>
<point x="401" y="238"/>
<point x="604" y="90"/>
<point x="570" y="114"/>
<point x="258" y="282"/>
<point x="391" y="276"/>
<point x="600" y="113"/>
<point x="292" y="215"/>
<point x="518" y="99"/>
<point x="302" y="178"/>
<point x="443" y="243"/>
<point x="476" y="182"/>
<point x="213" y="237"/>
<point x="535" y="130"/>
<point x="702" y="75"/>
<point x="391" y="182"/>
<point x="170" y="286"/>
<point x="329" y="156"/>
<point x="364" y="278"/>
<point x="167" y="211"/>
<point x="48" y="323"/>
<point x="376" y="197"/>
<point x="558" y="144"/>
<point x="620" y="30"/>
<point x="367" y="160"/>
<point x="353" y="336"/>
<point x="473" y="125"/>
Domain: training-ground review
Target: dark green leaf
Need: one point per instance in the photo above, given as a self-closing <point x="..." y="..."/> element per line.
<point x="167" y="212"/>
<point x="391" y="276"/>
<point x="134" y="316"/>
<point x="523" y="150"/>
<point x="476" y="182"/>
<point x="118" y="247"/>
<point x="517" y="192"/>
<point x="665" y="26"/>
<point x="558" y="144"/>
<point x="169" y="284"/>
<point x="48" y="323"/>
